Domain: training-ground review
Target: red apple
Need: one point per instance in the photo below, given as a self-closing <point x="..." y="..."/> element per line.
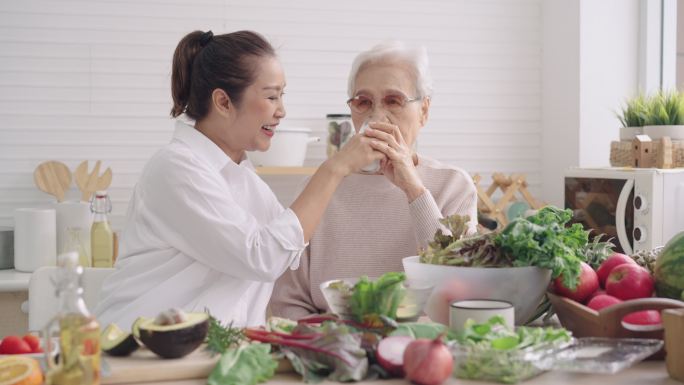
<point x="603" y="301"/>
<point x="594" y="294"/>
<point x="614" y="260"/>
<point x="588" y="283"/>
<point x="629" y="281"/>
<point x="644" y="317"/>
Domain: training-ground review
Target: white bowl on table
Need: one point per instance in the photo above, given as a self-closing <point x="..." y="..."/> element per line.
<point x="524" y="287"/>
<point x="410" y="307"/>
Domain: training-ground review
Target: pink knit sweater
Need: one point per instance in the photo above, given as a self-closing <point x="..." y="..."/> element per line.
<point x="368" y="228"/>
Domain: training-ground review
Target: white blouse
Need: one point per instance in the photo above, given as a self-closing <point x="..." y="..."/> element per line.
<point x="201" y="232"/>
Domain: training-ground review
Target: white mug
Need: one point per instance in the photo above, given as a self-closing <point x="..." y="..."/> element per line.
<point x="35" y="239"/>
<point x="479" y="310"/>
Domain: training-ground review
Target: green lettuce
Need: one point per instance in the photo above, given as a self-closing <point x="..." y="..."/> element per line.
<point x="543" y="240"/>
<point x="372" y="299"/>
<point x="491" y="351"/>
<point x="244" y="365"/>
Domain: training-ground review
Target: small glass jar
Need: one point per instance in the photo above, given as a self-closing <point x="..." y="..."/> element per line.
<point x="340" y="130"/>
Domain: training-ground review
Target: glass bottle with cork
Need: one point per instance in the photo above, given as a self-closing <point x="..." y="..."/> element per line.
<point x="79" y="331"/>
<point x="101" y="235"/>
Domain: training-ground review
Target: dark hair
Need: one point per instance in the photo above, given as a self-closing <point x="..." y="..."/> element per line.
<point x="203" y="62"/>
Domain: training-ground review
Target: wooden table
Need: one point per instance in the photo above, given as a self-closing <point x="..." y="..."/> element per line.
<point x="651" y="373"/>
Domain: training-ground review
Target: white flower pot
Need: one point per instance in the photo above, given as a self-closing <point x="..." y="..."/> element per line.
<point x="657" y="132"/>
<point x="628" y="133"/>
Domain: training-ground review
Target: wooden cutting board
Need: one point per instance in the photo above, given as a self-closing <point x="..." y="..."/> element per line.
<point x="145" y="366"/>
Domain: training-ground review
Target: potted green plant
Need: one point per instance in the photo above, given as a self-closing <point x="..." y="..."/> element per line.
<point x="665" y="116"/>
<point x="632" y="117"/>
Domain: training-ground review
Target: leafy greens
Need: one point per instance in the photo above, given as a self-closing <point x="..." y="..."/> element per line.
<point x="544" y="240"/>
<point x="491" y="351"/>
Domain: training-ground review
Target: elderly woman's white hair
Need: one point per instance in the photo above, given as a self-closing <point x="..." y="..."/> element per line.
<point x="390" y="51"/>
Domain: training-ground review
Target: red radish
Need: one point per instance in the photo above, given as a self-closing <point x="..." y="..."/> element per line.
<point x="629" y="281"/>
<point x="606" y="266"/>
<point x="644" y="317"/>
<point x="588" y="283"/>
<point x="594" y="294"/>
<point x="390" y="354"/>
<point x="603" y="301"/>
<point x="428" y="362"/>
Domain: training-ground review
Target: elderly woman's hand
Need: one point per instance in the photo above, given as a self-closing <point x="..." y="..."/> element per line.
<point x="399" y="165"/>
<point x="357" y="153"/>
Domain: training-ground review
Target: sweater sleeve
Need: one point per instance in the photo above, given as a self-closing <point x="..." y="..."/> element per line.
<point x="458" y="196"/>
<point x="292" y="292"/>
<point x="426" y="216"/>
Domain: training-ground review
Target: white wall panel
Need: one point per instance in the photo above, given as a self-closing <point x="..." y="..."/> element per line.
<point x="91" y="80"/>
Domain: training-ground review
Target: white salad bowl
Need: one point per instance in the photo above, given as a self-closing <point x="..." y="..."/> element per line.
<point x="410" y="308"/>
<point x="524" y="287"/>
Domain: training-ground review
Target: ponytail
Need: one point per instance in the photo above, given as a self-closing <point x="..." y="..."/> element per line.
<point x="203" y="62"/>
<point x="181" y="71"/>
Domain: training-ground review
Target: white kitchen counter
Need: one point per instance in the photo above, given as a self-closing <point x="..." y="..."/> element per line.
<point x="12" y="280"/>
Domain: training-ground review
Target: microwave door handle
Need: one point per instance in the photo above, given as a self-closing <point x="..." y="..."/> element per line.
<point x="620" y="216"/>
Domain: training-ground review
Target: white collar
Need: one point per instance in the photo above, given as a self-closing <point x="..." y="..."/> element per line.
<point x="200" y="145"/>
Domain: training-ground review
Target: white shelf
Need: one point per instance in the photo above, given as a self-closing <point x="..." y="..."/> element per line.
<point x="12" y="280"/>
<point x="286" y="170"/>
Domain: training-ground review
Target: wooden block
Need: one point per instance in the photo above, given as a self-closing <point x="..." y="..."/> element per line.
<point x="665" y="157"/>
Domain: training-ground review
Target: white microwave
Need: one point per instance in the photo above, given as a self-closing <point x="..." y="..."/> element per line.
<point x="640" y="208"/>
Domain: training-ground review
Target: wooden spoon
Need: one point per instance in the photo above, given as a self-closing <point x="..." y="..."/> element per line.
<point x="53" y="177"/>
<point x="104" y="180"/>
<point x="88" y="183"/>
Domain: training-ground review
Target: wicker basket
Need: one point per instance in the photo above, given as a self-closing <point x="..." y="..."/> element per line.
<point x="586" y="322"/>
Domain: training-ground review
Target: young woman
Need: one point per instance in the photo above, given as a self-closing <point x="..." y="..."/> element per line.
<point x="203" y="231"/>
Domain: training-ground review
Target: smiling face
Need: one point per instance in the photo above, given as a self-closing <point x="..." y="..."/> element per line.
<point x="250" y="124"/>
<point x="379" y="79"/>
<point x="261" y="107"/>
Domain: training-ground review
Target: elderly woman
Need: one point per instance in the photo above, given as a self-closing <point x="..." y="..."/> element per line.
<point x="373" y="221"/>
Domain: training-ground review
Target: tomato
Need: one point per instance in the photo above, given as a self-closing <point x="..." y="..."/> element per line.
<point x="14" y="345"/>
<point x="33" y="341"/>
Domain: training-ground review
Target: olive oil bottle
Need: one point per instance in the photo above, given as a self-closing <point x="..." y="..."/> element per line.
<point x="79" y="331"/>
<point x="101" y="235"/>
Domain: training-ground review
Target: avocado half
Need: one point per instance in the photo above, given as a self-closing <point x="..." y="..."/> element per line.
<point x="116" y="342"/>
<point x="177" y="340"/>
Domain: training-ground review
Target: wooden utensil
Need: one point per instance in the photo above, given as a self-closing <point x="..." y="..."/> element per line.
<point x="88" y="183"/>
<point x="53" y="177"/>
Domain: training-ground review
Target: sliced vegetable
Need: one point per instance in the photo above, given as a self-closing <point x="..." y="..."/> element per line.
<point x="177" y="340"/>
<point x="116" y="342"/>
<point x="390" y="354"/>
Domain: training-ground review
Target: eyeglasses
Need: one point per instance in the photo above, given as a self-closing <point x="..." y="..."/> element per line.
<point x="391" y="102"/>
